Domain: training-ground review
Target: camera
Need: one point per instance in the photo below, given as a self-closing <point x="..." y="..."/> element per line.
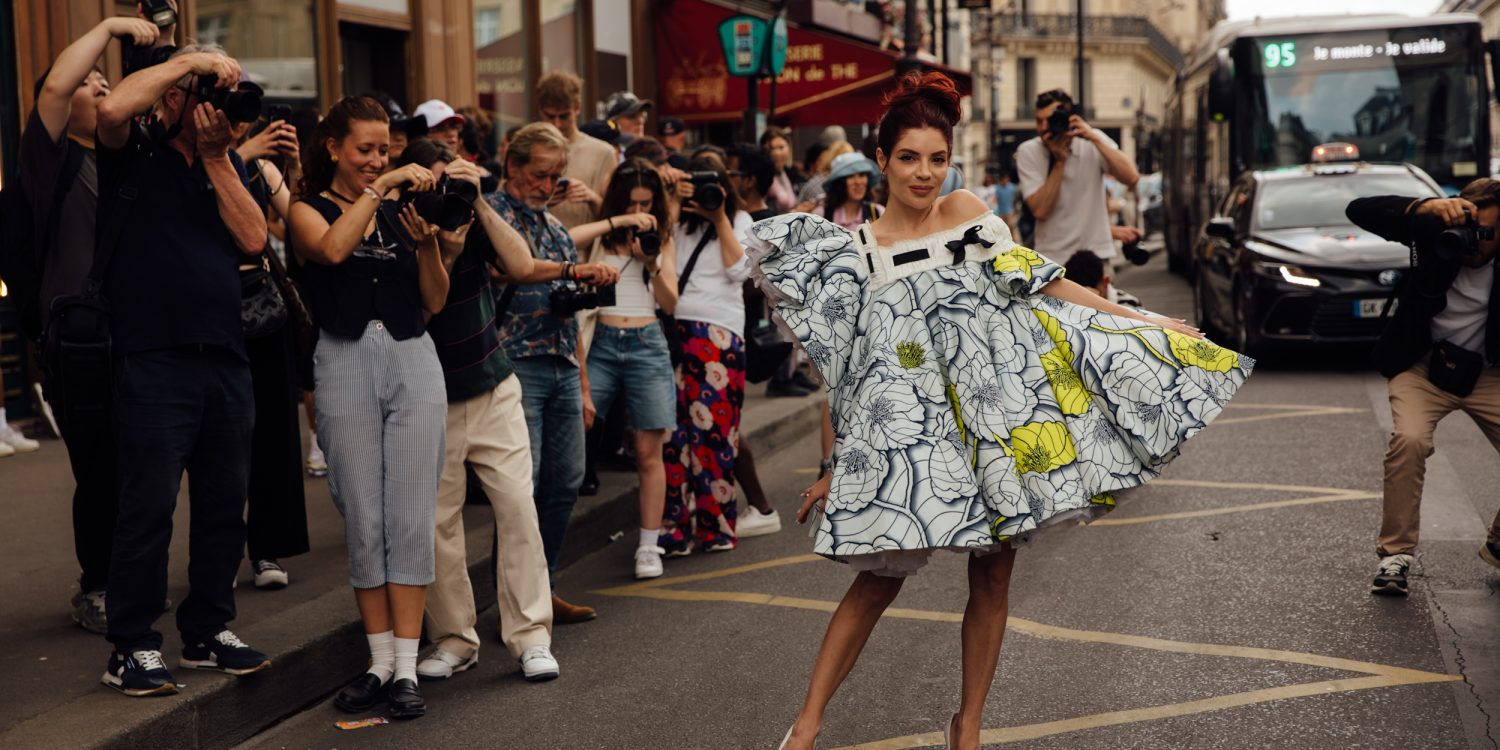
<point x="449" y="205"/>
<point x="1133" y="253"/>
<point x="135" y="57"/>
<point x="276" y="112"/>
<point x="650" y="243"/>
<point x="1057" y="122"/>
<point x="568" y="301"/>
<point x="1454" y="244"/>
<point x="240" y="103"/>
<point x="159" y="12"/>
<point x="708" y="194"/>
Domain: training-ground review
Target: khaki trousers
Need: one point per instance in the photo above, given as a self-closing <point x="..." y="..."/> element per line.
<point x="489" y="433"/>
<point x="1416" y="408"/>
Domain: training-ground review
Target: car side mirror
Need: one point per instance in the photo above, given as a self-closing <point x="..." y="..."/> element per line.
<point x="1221" y="227"/>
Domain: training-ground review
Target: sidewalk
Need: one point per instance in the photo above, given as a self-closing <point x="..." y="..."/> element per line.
<point x="53" y="698"/>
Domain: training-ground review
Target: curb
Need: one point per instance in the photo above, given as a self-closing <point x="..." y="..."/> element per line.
<point x="320" y="643"/>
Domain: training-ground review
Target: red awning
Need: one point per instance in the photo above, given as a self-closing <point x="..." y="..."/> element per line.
<point x="827" y="80"/>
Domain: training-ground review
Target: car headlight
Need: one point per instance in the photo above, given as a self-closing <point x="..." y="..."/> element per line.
<point x="1287" y="273"/>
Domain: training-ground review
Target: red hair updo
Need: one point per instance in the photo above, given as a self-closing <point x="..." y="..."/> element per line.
<point x="929" y="100"/>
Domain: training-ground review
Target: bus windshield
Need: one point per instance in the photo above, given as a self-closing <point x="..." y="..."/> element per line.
<point x="1399" y="95"/>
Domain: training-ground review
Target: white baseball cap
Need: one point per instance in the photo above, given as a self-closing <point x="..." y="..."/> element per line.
<point x="436" y="112"/>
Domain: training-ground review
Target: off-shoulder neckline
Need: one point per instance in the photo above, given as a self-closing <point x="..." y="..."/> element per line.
<point x="942" y="236"/>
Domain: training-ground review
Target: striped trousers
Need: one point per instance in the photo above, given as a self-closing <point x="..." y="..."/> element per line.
<point x="382" y="412"/>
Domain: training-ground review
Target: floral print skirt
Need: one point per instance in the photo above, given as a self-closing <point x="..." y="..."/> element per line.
<point x="700" y="455"/>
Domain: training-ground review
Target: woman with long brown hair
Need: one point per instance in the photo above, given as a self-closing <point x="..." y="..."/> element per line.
<point x="976" y="396"/>
<point x="375" y="275"/>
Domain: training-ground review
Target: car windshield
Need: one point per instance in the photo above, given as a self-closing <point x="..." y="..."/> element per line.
<point x="1319" y="200"/>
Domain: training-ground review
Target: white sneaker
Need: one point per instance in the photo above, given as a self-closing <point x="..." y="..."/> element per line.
<point x="538" y="664"/>
<point x="6" y="451"/>
<point x="440" y="665"/>
<point x="269" y="574"/>
<point x="648" y="562"/>
<point x="13" y="437"/>
<point x="317" y="464"/>
<point x="755" y="523"/>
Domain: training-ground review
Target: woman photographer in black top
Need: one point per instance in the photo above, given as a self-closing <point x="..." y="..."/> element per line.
<point x="375" y="275"/>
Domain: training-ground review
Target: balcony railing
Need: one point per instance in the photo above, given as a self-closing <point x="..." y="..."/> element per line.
<point x="1065" y="26"/>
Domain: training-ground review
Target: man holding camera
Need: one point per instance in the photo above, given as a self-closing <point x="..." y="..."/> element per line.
<point x="175" y="214"/>
<point x="59" y="174"/>
<point x="578" y="195"/>
<point x="539" y="333"/>
<point x="1439" y="349"/>
<point x="1062" y="179"/>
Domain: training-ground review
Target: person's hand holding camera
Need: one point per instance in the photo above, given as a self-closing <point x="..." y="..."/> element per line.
<point x="1079" y="128"/>
<point x="414" y="176"/>
<point x="577" y="192"/>
<point x="139" y="31"/>
<point x="685" y="191"/>
<point x="1124" y="234"/>
<point x="466" y="171"/>
<point x="596" y="274"/>
<point x="278" y="139"/>
<point x="641" y="222"/>
<point x="214" y="133"/>
<point x="418" y="228"/>
<point x="1452" y="212"/>
<point x="225" y="69"/>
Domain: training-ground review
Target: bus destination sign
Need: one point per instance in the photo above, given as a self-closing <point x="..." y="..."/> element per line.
<point x="1362" y="49"/>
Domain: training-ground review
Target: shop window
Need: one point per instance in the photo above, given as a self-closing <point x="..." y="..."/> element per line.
<point x="275" y="42"/>
<point x="486" y="26"/>
<point x="500" y="61"/>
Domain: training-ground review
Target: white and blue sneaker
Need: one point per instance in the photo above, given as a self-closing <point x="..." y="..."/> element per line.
<point x="139" y="674"/>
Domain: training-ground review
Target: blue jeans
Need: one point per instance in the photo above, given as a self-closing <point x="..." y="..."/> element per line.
<point x="635" y="363"/>
<point x="552" y="396"/>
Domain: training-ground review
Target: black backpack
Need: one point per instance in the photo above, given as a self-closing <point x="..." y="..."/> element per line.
<point x="23" y="249"/>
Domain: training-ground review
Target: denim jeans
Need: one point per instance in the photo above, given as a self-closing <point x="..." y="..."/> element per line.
<point x="553" y="399"/>
<point x="179" y="409"/>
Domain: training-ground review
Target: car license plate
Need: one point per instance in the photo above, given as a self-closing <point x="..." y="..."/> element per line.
<point x="1371" y="308"/>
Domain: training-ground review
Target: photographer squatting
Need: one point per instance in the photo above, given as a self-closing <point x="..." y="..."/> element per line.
<point x="1439" y="350"/>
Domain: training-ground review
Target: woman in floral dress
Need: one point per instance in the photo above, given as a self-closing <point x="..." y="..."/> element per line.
<point x="976" y="395"/>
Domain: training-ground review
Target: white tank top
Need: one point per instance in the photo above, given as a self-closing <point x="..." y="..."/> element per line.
<point x="632" y="295"/>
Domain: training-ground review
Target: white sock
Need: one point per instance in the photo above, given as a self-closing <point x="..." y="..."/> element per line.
<point x="3" y="423"/>
<point x="312" y="442"/>
<point x="649" y="537"/>
<point x="382" y="654"/>
<point x="406" y="658"/>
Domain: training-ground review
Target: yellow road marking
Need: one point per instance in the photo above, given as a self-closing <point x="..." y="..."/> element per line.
<point x="1377" y="675"/>
<point x="1112" y="521"/>
<point x="1288" y="411"/>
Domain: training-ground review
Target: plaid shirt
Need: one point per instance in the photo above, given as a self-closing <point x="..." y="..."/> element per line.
<point x="528" y="328"/>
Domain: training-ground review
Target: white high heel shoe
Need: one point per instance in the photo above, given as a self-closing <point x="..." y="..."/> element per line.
<point x="787" y="738"/>
<point x="948" y="733"/>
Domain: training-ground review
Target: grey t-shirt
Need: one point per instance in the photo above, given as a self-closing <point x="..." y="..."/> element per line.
<point x="67" y="262"/>
<point x="1462" y="322"/>
<point x="1079" y="219"/>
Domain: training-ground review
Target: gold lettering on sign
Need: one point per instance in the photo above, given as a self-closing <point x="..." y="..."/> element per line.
<point x="696" y="84"/>
<point x="804" y="53"/>
<point x="844" y="71"/>
<point x="815" y="74"/>
<point x="790" y="75"/>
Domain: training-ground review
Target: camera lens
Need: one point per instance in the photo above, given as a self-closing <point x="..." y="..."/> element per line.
<point x="709" y="197"/>
<point x="650" y="243"/>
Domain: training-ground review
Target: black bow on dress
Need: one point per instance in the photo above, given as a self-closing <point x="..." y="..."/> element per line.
<point x="970" y="237"/>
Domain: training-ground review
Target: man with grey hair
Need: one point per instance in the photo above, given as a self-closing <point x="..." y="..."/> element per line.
<point x="175" y="218"/>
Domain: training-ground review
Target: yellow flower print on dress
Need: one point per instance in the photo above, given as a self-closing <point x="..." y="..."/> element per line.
<point x="1019" y="259"/>
<point x="1202" y="353"/>
<point x="910" y="354"/>
<point x="1054" y="330"/>
<point x="1105" y="499"/>
<point x="1042" y="447"/>
<point x="1072" y="398"/>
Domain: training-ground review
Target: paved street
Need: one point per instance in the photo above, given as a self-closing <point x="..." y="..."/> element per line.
<point x="1224" y="606"/>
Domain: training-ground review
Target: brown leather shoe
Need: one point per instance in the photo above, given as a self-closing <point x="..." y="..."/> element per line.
<point x="564" y="613"/>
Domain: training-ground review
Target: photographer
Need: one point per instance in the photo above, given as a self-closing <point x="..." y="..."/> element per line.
<point x="540" y="334"/>
<point x="175" y="214"/>
<point x="375" y="275"/>
<point x="626" y="349"/>
<point x="1439" y="349"/>
<point x="486" y="429"/>
<point x="710" y="320"/>
<point x="59" y="175"/>
<point x="1062" y="171"/>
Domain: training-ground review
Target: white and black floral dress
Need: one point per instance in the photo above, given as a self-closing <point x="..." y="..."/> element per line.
<point x="969" y="409"/>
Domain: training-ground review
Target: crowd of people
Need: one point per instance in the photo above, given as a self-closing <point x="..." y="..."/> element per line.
<point x="455" y="306"/>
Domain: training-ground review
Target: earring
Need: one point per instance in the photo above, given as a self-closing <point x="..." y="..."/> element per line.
<point x="335" y="158"/>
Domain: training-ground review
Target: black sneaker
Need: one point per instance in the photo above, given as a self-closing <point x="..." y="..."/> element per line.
<point x="139" y="674"/>
<point x="1490" y="553"/>
<point x="224" y="652"/>
<point x="1390" y="578"/>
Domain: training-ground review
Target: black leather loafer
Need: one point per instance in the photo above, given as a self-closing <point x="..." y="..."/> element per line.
<point x="361" y="695"/>
<point x="406" y="702"/>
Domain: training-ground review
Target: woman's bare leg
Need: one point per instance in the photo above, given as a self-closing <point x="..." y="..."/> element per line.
<point x="652" y="474"/>
<point x="983" y="630"/>
<point x="862" y="606"/>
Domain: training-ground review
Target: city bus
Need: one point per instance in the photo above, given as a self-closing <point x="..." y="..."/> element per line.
<point x="1263" y="94"/>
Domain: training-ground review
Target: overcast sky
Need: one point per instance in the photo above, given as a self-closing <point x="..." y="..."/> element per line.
<point x="1238" y="9"/>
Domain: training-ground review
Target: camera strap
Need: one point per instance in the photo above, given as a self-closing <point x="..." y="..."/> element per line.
<point x="509" y="295"/>
<point x="113" y="226"/>
<point x="692" y="262"/>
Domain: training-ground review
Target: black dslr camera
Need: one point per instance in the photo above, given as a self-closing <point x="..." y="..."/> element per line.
<point x="241" y="103"/>
<point x="650" y="239"/>
<point x="448" y="206"/>
<point x="1057" y="122"/>
<point x="159" y="12"/>
<point x="1454" y="244"/>
<point x="708" y="194"/>
<point x="569" y="300"/>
